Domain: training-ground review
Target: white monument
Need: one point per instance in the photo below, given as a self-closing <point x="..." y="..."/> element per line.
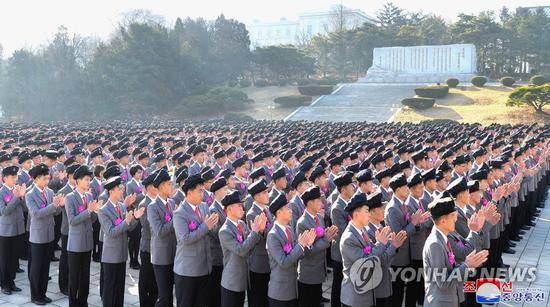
<point x="422" y="64"/>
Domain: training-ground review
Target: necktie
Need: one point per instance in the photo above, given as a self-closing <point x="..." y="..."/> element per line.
<point x="266" y="213"/>
<point x="44" y="196"/>
<point x="84" y="200"/>
<point x="316" y="219"/>
<point x="198" y="214"/>
<point x="240" y="229"/>
<point x="118" y="211"/>
<point x="288" y="235"/>
<point x="449" y="246"/>
<point x="364" y="235"/>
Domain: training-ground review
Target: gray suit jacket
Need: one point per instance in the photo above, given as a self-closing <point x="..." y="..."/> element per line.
<point x="12" y="222"/>
<point x="41" y="213"/>
<point x="312" y="267"/>
<point x="352" y="245"/>
<point x="259" y="261"/>
<point x="339" y="218"/>
<point x="297" y="207"/>
<point x="145" y="242"/>
<point x="178" y="197"/>
<point x="115" y="239"/>
<point x="163" y="237"/>
<point x="80" y="222"/>
<point x="384" y="289"/>
<point x="24" y="177"/>
<point x="395" y="218"/>
<point x="193" y="249"/>
<point x="215" y="247"/>
<point x="133" y="187"/>
<point x="282" y="281"/>
<point x="235" y="254"/>
<point x="96" y="188"/>
<point x="440" y="290"/>
<point x="420" y="234"/>
<point x="461" y="225"/>
<point x="65" y="190"/>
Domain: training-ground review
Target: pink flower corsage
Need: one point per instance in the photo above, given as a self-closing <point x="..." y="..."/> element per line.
<point x="287" y="248"/>
<point x="118" y="221"/>
<point x="8" y="197"/>
<point x="367" y="250"/>
<point x="193" y="225"/>
<point x="319" y="231"/>
<point x="167" y="217"/>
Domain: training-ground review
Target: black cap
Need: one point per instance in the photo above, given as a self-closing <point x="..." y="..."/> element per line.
<point x="218" y="184"/>
<point x="374" y="200"/>
<point x="458" y="160"/>
<point x="112" y="172"/>
<point x="24" y="156"/>
<point x="316" y="173"/>
<point x="112" y="182"/>
<point x="383" y="173"/>
<point x="208" y="174"/>
<point x="226" y="173"/>
<point x="496" y="163"/>
<point x="181" y="174"/>
<point x="428" y="175"/>
<point x="10" y="171"/>
<point x="441" y="206"/>
<point x="364" y="176"/>
<point x="39" y="170"/>
<point x="473" y="186"/>
<point x="231" y="198"/>
<point x="191" y="182"/>
<point x="343" y="179"/>
<point x="277" y="203"/>
<point x="148" y="180"/>
<point x="160" y="177"/>
<point x="257" y="173"/>
<point x="81" y="172"/>
<point x="479" y="175"/>
<point x="458" y="185"/>
<point x="257" y="187"/>
<point x="414" y="179"/>
<point x="298" y="178"/>
<point x="279" y="173"/>
<point x="398" y="181"/>
<point x="51" y="154"/>
<point x="311" y="194"/>
<point x="357" y="200"/>
<point x="239" y="162"/>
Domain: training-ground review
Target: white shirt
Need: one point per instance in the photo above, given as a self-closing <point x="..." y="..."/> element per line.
<point x="234" y="223"/>
<point x="442" y="234"/>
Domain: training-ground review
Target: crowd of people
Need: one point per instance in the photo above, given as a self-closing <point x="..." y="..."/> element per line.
<point x="214" y="213"/>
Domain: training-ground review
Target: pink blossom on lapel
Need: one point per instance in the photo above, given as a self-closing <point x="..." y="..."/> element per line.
<point x="8" y="197"/>
<point x="287" y="248"/>
<point x="367" y="250"/>
<point x="167" y="217"/>
<point x="319" y="231"/>
<point x="193" y="225"/>
<point x="118" y="221"/>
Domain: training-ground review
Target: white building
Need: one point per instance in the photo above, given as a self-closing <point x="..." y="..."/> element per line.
<point x="533" y="9"/>
<point x="307" y="25"/>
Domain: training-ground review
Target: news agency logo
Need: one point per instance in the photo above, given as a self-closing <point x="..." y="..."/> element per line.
<point x="366" y="274"/>
<point x="492" y="291"/>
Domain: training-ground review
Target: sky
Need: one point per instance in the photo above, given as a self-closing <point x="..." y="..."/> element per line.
<point x="29" y="24"/>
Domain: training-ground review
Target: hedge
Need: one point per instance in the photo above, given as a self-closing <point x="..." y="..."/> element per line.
<point x="302" y="82"/>
<point x="260" y="83"/>
<point x="327" y="81"/>
<point x="420" y="103"/>
<point x="315" y="90"/>
<point x="435" y="91"/>
<point x="452" y="82"/>
<point x="537" y="80"/>
<point x="479" y="81"/>
<point x="507" y="81"/>
<point x="245" y="83"/>
<point x="293" y="100"/>
<point x="238" y="117"/>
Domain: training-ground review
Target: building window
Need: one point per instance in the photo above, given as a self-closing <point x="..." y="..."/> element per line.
<point x="287" y="32"/>
<point x="309" y="29"/>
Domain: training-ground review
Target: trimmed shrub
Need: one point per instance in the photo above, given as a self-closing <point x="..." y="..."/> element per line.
<point x="245" y="83"/>
<point x="283" y="82"/>
<point x="315" y="90"/>
<point x="327" y="81"/>
<point x="537" y="80"/>
<point x="215" y="100"/>
<point x="237" y="117"/>
<point x="452" y="82"/>
<point x="232" y="83"/>
<point x="419" y="103"/>
<point x="260" y="83"/>
<point x="293" y="100"/>
<point x="507" y="81"/>
<point x="302" y="82"/>
<point x="434" y="91"/>
<point x="479" y="81"/>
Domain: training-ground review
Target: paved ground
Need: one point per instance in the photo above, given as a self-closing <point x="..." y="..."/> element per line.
<point x="532" y="251"/>
<point x="357" y="102"/>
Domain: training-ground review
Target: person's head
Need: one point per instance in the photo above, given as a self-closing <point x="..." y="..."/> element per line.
<point x="312" y="199"/>
<point x="358" y="210"/>
<point x="279" y="178"/>
<point x="443" y="213"/>
<point x="9" y="175"/>
<point x="258" y="191"/>
<point x="376" y="207"/>
<point x="344" y="185"/>
<point x="428" y="177"/>
<point x="199" y="154"/>
<point x="163" y="184"/>
<point x="241" y="166"/>
<point x="82" y="177"/>
<point x="299" y="183"/>
<point x="99" y="170"/>
<point x="474" y="192"/>
<point x="233" y="206"/>
<point x="149" y="187"/>
<point x="364" y="178"/>
<point x="41" y="175"/>
<point x="114" y="187"/>
<point x="136" y="171"/>
<point x="193" y="188"/>
<point x="398" y="184"/>
<point x="25" y="161"/>
<point x="416" y="186"/>
<point x="208" y="177"/>
<point x="280" y="208"/>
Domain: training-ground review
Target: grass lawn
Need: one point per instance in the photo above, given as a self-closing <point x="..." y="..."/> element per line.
<point x="470" y="104"/>
<point x="263" y="106"/>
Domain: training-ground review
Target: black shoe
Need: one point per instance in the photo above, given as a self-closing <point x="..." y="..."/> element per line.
<point x="47" y="299"/>
<point x="135" y="266"/>
<point x="509" y="251"/>
<point x="524" y="227"/>
<point x="516" y="238"/>
<point x="15" y="289"/>
<point x="511" y="244"/>
<point x="24" y="258"/>
<point x="96" y="259"/>
<point x="521" y="232"/>
<point x="6" y="291"/>
<point x="19" y="270"/>
<point x="39" y="302"/>
<point x="531" y="224"/>
<point x="324" y="299"/>
<point x="54" y="259"/>
<point x="49" y="278"/>
<point x="57" y="247"/>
